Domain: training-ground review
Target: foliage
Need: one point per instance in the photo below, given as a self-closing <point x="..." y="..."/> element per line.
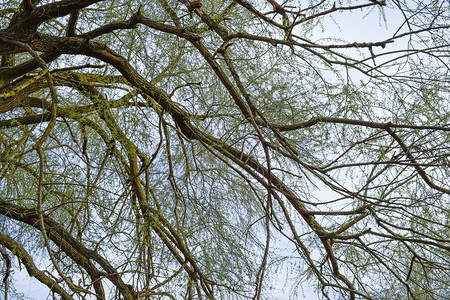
<point x="226" y="149"/>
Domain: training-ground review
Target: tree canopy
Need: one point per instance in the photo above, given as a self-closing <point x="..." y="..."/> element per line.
<point x="226" y="149"/>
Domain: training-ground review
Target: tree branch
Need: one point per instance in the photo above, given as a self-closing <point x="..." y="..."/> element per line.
<point x="32" y="270"/>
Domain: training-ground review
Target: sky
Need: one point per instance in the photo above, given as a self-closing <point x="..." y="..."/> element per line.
<point x="353" y="27"/>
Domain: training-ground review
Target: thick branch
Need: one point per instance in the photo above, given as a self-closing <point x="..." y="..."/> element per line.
<point x="32" y="270"/>
<point x="315" y="120"/>
<point x="28" y="21"/>
<point x="74" y="249"/>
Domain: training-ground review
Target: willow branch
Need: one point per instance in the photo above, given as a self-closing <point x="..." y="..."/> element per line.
<point x="32" y="270"/>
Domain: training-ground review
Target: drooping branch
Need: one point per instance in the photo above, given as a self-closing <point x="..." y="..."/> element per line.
<point x="73" y="248"/>
<point x="33" y="271"/>
<point x="414" y="163"/>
